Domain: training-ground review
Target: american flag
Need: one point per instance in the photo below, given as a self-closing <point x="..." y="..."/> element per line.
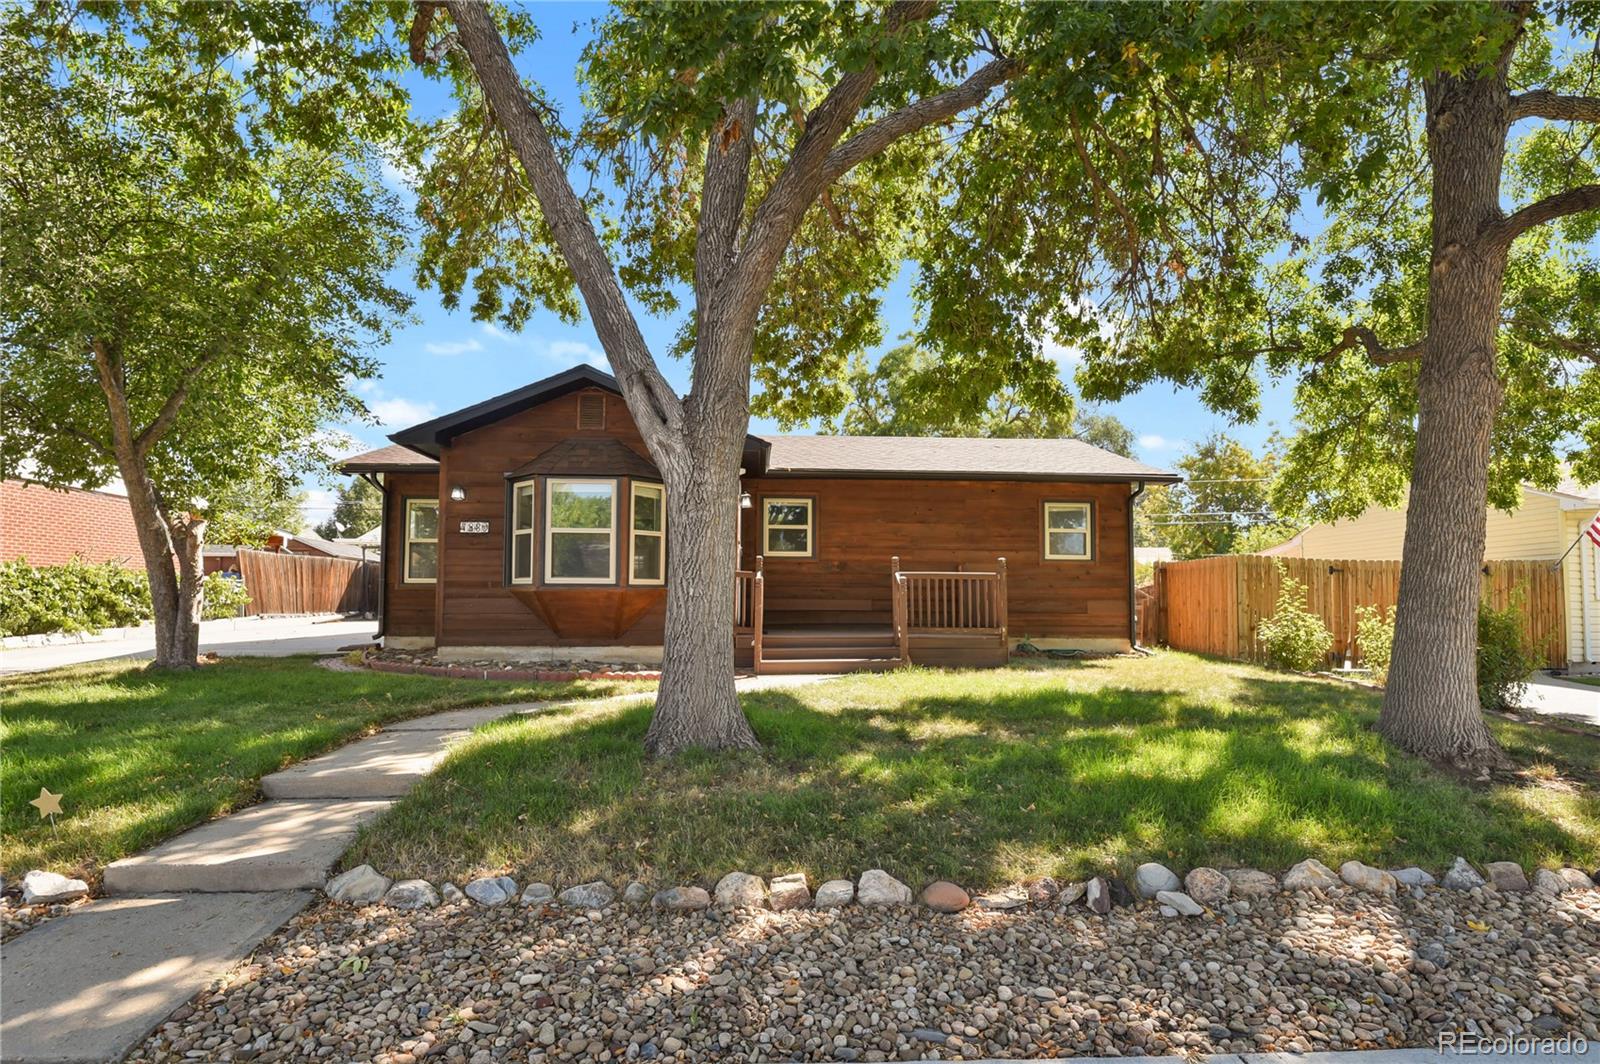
<point x="1593" y="531"/>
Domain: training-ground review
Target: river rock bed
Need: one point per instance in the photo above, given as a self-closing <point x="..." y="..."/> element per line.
<point x="1295" y="971"/>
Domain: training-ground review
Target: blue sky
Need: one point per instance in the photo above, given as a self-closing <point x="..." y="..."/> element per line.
<point x="446" y="360"/>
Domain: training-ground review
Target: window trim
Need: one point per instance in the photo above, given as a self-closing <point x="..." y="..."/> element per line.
<point x="1089" y="537"/>
<point x="407" y="540"/>
<point x="532" y="531"/>
<point x="634" y="532"/>
<point x="550" y="531"/>
<point x="810" y="503"/>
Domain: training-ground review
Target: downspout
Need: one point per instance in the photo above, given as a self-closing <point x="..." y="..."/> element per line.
<point x="383" y="546"/>
<point x="1133" y="620"/>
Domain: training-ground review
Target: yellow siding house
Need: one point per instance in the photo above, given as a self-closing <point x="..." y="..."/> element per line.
<point x="1541" y="528"/>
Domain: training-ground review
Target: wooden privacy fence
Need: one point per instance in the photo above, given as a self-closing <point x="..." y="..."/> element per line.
<point x="302" y="583"/>
<point x="1216" y="605"/>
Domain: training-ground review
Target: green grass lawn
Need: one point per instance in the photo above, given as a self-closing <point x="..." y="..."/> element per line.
<point x="1592" y="681"/>
<point x="140" y="754"/>
<point x="987" y="777"/>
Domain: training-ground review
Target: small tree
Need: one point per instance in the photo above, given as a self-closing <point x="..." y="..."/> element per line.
<point x="1223" y="506"/>
<point x="189" y="278"/>
<point x="1375" y="638"/>
<point x="1504" y="660"/>
<point x="357" y="510"/>
<point x="1295" y="637"/>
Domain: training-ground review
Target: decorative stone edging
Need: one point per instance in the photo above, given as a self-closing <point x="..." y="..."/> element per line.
<point x="1193" y="895"/>
<point x="464" y="672"/>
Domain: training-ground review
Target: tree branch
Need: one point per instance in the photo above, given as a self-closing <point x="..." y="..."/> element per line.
<point x="1361" y="336"/>
<point x="152" y="433"/>
<point x="946" y="105"/>
<point x="722" y="195"/>
<point x="655" y="405"/>
<point x="421" y="53"/>
<point x="1541" y="103"/>
<point x="802" y="180"/>
<point x="1574" y="200"/>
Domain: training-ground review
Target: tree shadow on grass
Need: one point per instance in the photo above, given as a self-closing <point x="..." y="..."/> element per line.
<point x="983" y="789"/>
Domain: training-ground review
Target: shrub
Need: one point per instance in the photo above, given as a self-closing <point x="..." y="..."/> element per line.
<point x="1294" y="636"/>
<point x="1505" y="660"/>
<point x="75" y="597"/>
<point x="1375" y="638"/>
<point x="224" y="597"/>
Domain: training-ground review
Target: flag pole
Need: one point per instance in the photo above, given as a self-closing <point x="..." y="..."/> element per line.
<point x="1584" y="531"/>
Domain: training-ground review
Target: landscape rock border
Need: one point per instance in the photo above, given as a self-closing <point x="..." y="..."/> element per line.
<point x="1209" y="889"/>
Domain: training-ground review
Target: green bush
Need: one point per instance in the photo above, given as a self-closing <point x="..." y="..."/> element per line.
<point x="1375" y="639"/>
<point x="224" y="597"/>
<point x="1294" y="636"/>
<point x="75" y="597"/>
<point x="1505" y="660"/>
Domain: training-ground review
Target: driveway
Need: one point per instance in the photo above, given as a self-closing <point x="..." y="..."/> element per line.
<point x="1550" y="696"/>
<point x="273" y="637"/>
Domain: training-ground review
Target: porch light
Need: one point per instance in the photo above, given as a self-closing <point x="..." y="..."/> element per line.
<point x="744" y="500"/>
<point x="458" y="494"/>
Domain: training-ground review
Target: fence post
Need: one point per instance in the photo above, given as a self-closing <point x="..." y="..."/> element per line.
<point x="1005" y="601"/>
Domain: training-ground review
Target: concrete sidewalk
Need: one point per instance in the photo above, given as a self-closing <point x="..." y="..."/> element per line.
<point x="91" y="985"/>
<point x="272" y="637"/>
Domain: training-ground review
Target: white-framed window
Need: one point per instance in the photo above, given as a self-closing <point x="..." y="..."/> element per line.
<point x="1068" y="531"/>
<point x="522" y="502"/>
<point x="422" y="542"/>
<point x="580" y="537"/>
<point x="647" y="536"/>
<point x="787" y="527"/>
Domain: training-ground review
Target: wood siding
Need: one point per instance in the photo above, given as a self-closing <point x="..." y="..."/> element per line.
<point x="1581" y="576"/>
<point x="941" y="525"/>
<point x="1530" y="531"/>
<point x="859" y="525"/>
<point x="407" y="608"/>
<point x="477" y="605"/>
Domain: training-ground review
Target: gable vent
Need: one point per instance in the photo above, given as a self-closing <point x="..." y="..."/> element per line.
<point x="591" y="411"/>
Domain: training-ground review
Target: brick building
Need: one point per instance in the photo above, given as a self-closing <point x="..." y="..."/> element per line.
<point x="47" y="526"/>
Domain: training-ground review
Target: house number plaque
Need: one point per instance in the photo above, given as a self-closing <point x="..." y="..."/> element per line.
<point x="474" y="528"/>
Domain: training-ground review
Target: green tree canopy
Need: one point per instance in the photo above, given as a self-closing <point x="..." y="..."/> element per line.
<point x="1223" y="505"/>
<point x="357" y="509"/>
<point x="193" y="275"/>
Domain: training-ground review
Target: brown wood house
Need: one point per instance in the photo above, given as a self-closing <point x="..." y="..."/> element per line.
<point x="533" y="526"/>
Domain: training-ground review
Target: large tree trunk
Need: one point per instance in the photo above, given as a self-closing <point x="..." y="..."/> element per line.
<point x="696" y="704"/>
<point x="1431" y="706"/>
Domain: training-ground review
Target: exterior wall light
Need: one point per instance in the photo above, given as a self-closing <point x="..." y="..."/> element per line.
<point x="458" y="493"/>
<point x="744" y="500"/>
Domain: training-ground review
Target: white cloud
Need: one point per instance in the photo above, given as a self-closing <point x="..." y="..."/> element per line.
<point x="1064" y="354"/>
<point x="575" y="351"/>
<point x="317" y="506"/>
<point x="400" y="413"/>
<point x="453" y="347"/>
<point x="490" y="329"/>
<point x="1155" y="442"/>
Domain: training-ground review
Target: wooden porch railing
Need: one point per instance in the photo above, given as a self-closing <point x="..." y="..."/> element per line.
<point x="948" y="603"/>
<point x="749" y="605"/>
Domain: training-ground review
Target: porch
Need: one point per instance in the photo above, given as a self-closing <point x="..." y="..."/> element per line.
<point x="953" y="618"/>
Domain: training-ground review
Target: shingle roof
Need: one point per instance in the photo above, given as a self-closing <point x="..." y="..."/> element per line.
<point x="952" y="457"/>
<point x="391" y="459"/>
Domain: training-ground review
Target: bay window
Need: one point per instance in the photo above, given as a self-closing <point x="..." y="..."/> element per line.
<point x="580" y="531"/>
<point x="522" y="495"/>
<point x="647" y="543"/>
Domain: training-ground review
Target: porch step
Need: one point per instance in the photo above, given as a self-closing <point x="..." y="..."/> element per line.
<point x="810" y="652"/>
<point x="804" y="666"/>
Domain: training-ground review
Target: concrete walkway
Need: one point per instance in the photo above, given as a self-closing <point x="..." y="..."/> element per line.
<point x="91" y="985"/>
<point x="270" y="637"/>
<point x="1552" y="696"/>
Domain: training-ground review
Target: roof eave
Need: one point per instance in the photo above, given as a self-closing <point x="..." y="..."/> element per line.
<point x="1154" y="477"/>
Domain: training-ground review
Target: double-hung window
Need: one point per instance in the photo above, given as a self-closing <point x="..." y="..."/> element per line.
<point x="580" y="531"/>
<point x="522" y="499"/>
<point x="648" y="535"/>
<point x="422" y="541"/>
<point x="1068" y="531"/>
<point x="786" y="527"/>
